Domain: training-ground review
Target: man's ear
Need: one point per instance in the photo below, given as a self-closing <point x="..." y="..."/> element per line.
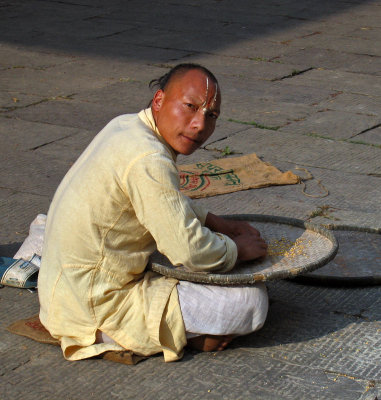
<point x="157" y="100"/>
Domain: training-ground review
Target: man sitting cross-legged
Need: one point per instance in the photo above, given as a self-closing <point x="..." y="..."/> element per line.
<point x="120" y="202"/>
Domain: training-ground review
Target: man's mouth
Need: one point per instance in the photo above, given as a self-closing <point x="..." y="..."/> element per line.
<point x="195" y="141"/>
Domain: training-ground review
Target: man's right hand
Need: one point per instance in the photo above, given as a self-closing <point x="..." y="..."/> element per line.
<point x="250" y="247"/>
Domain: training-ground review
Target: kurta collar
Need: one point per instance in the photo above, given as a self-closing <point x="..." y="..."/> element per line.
<point x="147" y="117"/>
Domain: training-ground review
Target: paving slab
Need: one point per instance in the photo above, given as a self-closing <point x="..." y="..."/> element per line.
<point x="122" y="93"/>
<point x="354" y="103"/>
<point x="68" y="149"/>
<point x="33" y="173"/>
<point x="74" y="113"/>
<point x="333" y="124"/>
<point x="317" y="57"/>
<point x="21" y="135"/>
<point x="269" y="103"/>
<point x="342" y="44"/>
<point x="268" y="113"/>
<point x="366" y="33"/>
<point x="348" y="82"/>
<point x="364" y="14"/>
<point x="18" y="209"/>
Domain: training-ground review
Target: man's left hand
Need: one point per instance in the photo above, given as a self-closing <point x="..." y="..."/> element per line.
<point x="230" y="227"/>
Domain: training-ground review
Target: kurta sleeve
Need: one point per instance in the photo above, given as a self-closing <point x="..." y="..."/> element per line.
<point x="199" y="210"/>
<point x="152" y="184"/>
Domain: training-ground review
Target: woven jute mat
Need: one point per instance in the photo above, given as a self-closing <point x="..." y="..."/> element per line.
<point x="33" y="329"/>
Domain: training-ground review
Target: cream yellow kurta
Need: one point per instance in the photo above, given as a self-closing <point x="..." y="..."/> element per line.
<point x="118" y="202"/>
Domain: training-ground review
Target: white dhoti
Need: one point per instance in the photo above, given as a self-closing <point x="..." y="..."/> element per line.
<point x="222" y="310"/>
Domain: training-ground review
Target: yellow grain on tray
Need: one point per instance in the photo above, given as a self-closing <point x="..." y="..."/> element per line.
<point x="286" y="248"/>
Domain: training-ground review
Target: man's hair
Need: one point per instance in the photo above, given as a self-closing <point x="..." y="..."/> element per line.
<point x="177" y="71"/>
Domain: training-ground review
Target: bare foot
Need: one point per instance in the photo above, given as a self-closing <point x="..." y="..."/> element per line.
<point x="210" y="342"/>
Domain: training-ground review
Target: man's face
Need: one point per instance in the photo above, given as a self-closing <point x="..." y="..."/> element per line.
<point x="187" y="111"/>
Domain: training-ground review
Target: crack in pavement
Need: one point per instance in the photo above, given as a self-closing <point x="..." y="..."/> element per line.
<point x="54" y="98"/>
<point x="52" y="141"/>
<point x="294" y="73"/>
<point x="366" y="130"/>
<point x="225" y="137"/>
<point x="21" y="364"/>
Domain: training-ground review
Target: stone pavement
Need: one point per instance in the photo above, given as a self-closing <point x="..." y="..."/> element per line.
<point x="301" y="84"/>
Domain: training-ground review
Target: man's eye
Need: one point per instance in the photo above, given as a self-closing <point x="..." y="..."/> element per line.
<point x="213" y="115"/>
<point x="191" y="106"/>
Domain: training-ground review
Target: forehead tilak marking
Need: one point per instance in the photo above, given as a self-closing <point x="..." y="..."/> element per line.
<point x="203" y="105"/>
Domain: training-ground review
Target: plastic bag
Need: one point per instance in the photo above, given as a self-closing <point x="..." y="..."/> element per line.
<point x="35" y="240"/>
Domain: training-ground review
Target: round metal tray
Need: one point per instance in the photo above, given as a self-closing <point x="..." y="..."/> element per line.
<point x="358" y="261"/>
<point x="295" y="247"/>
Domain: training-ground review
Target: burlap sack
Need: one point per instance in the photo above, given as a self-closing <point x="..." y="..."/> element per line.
<point x="228" y="175"/>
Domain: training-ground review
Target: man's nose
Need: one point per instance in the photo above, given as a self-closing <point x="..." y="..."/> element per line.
<point x="198" y="121"/>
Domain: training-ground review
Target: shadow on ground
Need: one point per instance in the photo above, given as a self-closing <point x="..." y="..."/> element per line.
<point x="10" y="249"/>
<point x="134" y="29"/>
